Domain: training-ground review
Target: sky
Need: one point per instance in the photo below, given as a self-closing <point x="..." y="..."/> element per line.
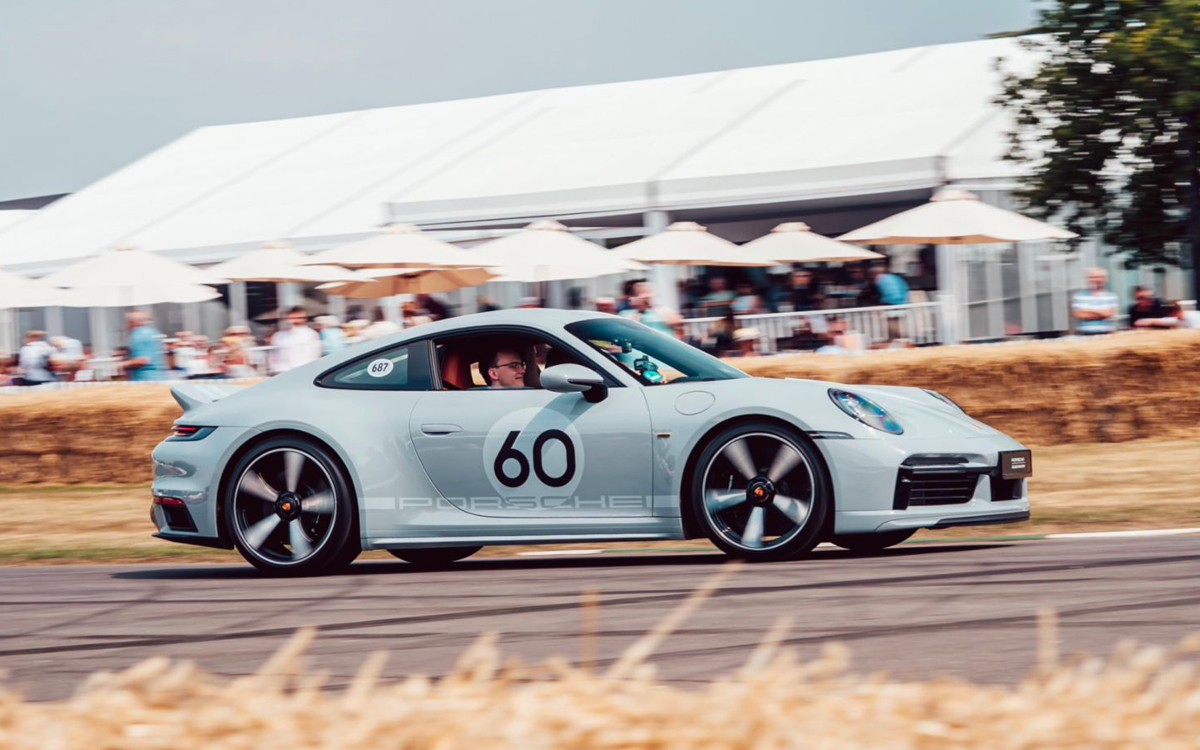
<point x="87" y="86"/>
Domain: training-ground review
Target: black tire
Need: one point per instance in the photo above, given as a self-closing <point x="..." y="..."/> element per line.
<point x="433" y="557"/>
<point x="791" y="507"/>
<point x="324" y="517"/>
<point x="876" y="542"/>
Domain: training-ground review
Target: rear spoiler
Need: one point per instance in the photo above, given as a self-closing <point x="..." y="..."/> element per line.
<point x="194" y="395"/>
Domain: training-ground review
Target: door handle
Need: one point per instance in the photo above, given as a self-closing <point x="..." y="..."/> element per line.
<point x="440" y="429"/>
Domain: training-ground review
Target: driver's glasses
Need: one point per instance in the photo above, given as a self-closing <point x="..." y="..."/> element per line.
<point x="514" y="365"/>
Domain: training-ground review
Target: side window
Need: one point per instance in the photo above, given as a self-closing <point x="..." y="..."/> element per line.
<point x="402" y="368"/>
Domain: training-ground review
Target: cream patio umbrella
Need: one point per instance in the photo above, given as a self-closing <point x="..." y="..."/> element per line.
<point x="18" y="292"/>
<point x="686" y="243"/>
<point x="125" y="276"/>
<point x="954" y="217"/>
<point x="547" y="251"/>
<point x="397" y="246"/>
<point x="386" y="282"/>
<point x="795" y="242"/>
<point x="279" y="262"/>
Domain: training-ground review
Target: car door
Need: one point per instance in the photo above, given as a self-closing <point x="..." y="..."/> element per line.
<point x="531" y="453"/>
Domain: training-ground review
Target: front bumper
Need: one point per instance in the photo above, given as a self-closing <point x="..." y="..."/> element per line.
<point x="869" y="484"/>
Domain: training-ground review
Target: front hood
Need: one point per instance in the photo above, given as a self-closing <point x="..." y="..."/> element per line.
<point x="921" y="415"/>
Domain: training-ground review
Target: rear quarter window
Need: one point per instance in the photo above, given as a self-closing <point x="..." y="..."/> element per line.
<point x="401" y="368"/>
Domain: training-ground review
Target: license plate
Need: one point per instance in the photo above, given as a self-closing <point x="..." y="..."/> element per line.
<point x="1016" y="464"/>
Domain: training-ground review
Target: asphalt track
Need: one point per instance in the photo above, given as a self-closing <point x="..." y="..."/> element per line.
<point x="917" y="611"/>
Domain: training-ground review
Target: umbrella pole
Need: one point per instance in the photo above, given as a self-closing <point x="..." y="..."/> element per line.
<point x="947" y="277"/>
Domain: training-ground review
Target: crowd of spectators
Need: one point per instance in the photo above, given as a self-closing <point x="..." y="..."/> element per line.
<point x="294" y="338"/>
<point x="1096" y="309"/>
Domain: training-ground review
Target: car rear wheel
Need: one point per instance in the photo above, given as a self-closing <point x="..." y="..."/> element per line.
<point x="876" y="542"/>
<point x="760" y="493"/>
<point x="434" y="556"/>
<point x="290" y="510"/>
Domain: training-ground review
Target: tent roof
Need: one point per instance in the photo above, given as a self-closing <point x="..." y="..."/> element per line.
<point x="856" y="125"/>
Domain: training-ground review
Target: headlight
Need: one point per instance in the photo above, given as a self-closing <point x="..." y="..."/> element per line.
<point x="866" y="411"/>
<point x="944" y="399"/>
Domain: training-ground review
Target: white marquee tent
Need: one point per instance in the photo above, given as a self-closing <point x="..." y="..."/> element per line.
<point x="868" y="124"/>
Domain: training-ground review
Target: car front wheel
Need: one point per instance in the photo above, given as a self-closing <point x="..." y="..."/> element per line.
<point x="760" y="493"/>
<point x="290" y="510"/>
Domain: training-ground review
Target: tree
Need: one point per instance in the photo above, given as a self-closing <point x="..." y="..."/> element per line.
<point x="1110" y="123"/>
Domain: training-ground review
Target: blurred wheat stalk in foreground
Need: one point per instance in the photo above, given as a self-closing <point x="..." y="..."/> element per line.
<point x="1145" y="698"/>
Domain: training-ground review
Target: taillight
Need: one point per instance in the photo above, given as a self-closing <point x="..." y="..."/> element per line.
<point x="161" y="500"/>
<point x="189" y="432"/>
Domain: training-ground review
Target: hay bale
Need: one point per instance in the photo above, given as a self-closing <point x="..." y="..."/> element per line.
<point x="1115" y="388"/>
<point x="1139" y="698"/>
<point x="1109" y="389"/>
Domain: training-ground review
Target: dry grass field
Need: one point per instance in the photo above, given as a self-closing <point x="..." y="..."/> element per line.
<point x="1135" y="485"/>
<point x="1136" y="698"/>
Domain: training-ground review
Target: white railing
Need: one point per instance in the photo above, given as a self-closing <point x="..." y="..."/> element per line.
<point x="918" y="323"/>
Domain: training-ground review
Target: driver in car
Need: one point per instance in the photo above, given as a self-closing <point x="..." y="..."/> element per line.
<point x="506" y="369"/>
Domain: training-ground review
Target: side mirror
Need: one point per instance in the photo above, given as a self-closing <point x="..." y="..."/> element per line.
<point x="575" y="379"/>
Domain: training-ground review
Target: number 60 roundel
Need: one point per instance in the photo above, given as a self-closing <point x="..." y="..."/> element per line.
<point x="509" y="453"/>
<point x="533" y="452"/>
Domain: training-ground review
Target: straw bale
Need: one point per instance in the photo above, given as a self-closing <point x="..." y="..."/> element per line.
<point x="1108" y="389"/>
<point x="1138" y="698"/>
<point x="1114" y="388"/>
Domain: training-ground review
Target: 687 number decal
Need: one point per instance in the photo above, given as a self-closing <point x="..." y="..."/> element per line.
<point x="508" y="452"/>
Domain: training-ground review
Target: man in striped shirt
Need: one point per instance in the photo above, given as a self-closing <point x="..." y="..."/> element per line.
<point x="1095" y="308"/>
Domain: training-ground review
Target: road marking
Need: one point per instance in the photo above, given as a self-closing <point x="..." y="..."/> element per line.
<point x="1118" y="534"/>
<point x="549" y="552"/>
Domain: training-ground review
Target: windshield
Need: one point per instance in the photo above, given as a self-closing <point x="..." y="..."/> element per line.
<point x="652" y="357"/>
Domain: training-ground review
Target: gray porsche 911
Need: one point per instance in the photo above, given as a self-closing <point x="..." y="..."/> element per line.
<point x="555" y="426"/>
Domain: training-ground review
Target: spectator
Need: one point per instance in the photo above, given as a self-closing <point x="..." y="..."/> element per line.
<point x="433" y="307"/>
<point x="414" y="315"/>
<point x="803" y="337"/>
<point x="720" y="335"/>
<point x="1146" y="309"/>
<point x="745" y="342"/>
<point x="67" y="357"/>
<point x="606" y="305"/>
<point x="623" y="300"/>
<point x="835" y="332"/>
<point x="294" y="344"/>
<point x="803" y="293"/>
<point x="891" y="288"/>
<point x="746" y="302"/>
<point x="354" y="330"/>
<point x="33" y="360"/>
<point x="236" y="364"/>
<point x="380" y="326"/>
<point x="719" y="299"/>
<point x="680" y="330"/>
<point x="1187" y="318"/>
<point x="1095" y="308"/>
<point x="146" y="359"/>
<point x="483" y="304"/>
<point x="643" y="310"/>
<point x="330" y="331"/>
